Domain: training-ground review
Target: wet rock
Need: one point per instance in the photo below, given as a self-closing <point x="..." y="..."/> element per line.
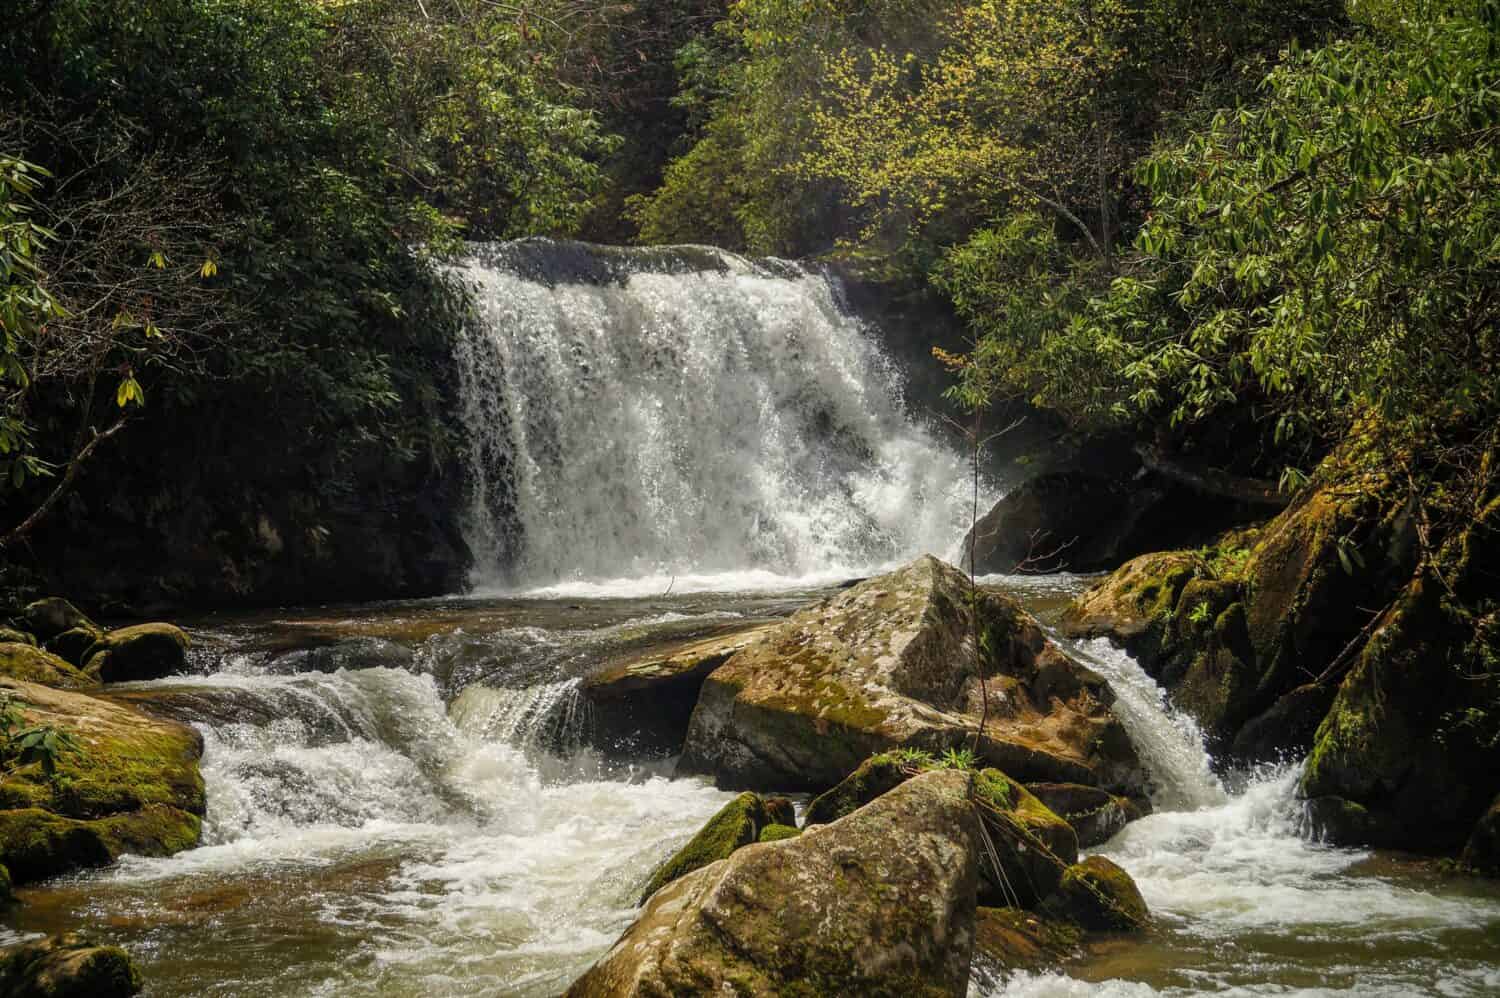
<point x="1032" y="844"/>
<point x="1095" y="814"/>
<point x="737" y="824"/>
<point x="782" y="811"/>
<point x="145" y="651"/>
<point x="1394" y="763"/>
<point x="47" y="618"/>
<point x="890" y="664"/>
<point x="1066" y="519"/>
<point x="644" y="703"/>
<point x="130" y="784"/>
<point x="1482" y="852"/>
<point x="1011" y="939"/>
<point x="74" y="644"/>
<point x="67" y="966"/>
<point x="9" y="635"/>
<point x="1099" y="896"/>
<point x="1286" y="731"/>
<point x="31" y="664"/>
<point x="879" y="904"/>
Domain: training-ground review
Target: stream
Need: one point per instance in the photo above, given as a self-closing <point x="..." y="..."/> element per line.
<point x="665" y="444"/>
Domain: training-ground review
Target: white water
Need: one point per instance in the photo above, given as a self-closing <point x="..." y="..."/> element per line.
<point x="1247" y="905"/>
<point x="722" y="427"/>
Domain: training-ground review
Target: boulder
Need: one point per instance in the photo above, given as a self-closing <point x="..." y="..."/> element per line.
<point x="31" y="664"/>
<point x="1063" y="520"/>
<point x="131" y="785"/>
<point x="1098" y="896"/>
<point x="891" y="663"/>
<point x="1095" y="814"/>
<point x="67" y="966"/>
<point x="1482" y="852"/>
<point x="47" y="618"/>
<point x="74" y="644"/>
<point x="879" y="904"/>
<point x="9" y="635"/>
<point x="1011" y="939"/>
<point x="1033" y="845"/>
<point x="145" y="651"/>
<point x="643" y="704"/>
<point x="737" y="824"/>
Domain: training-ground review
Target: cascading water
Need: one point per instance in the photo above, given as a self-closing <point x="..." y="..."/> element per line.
<point x="1246" y="904"/>
<point x="686" y="414"/>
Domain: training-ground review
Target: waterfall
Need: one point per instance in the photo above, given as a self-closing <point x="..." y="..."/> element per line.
<point x="659" y="414"/>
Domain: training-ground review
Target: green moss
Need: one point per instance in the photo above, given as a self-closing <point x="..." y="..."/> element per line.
<point x="1098" y="895"/>
<point x="877" y="775"/>
<point x="67" y="966"/>
<point x="31" y="664"/>
<point x="10" y="635"/>
<point x="776" y="832"/>
<point x="737" y="824"/>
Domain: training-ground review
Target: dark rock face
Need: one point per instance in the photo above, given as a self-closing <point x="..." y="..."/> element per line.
<point x="891" y="663"/>
<point x="47" y="618"/>
<point x="1066" y="519"/>
<point x="1095" y="814"/>
<point x="1482" y="852"/>
<point x="880" y="903"/>
<point x="67" y="966"/>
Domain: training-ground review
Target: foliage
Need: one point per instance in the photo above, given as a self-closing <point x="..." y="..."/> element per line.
<point x="41" y="744"/>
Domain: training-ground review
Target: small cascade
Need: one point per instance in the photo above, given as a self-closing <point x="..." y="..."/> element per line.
<point x="548" y="716"/>
<point x="671" y="414"/>
<point x="1168" y="740"/>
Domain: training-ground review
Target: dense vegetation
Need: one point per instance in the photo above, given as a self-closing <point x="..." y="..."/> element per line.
<point x="1234" y="230"/>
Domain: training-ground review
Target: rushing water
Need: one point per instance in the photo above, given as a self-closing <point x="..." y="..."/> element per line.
<point x="401" y="797"/>
<point x="686" y="418"/>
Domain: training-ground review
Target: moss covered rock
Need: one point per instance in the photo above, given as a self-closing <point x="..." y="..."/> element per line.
<point x="737" y="824"/>
<point x="877" y="775"/>
<point x="1099" y="896"/>
<point x="775" y="833"/>
<point x="891" y="663"/>
<point x="1032" y="844"/>
<point x="47" y="618"/>
<point x="31" y="664"/>
<point x="132" y="786"/>
<point x="1095" y="814"/>
<point x="878" y="904"/>
<point x="74" y="644"/>
<point x="9" y="635"/>
<point x="144" y="651"/>
<point x="67" y="966"/>
<point x="1011" y="939"/>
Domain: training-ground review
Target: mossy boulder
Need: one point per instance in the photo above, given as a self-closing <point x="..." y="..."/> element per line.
<point x="737" y="824"/>
<point x="891" y="663"/>
<point x="9" y="635"/>
<point x="1011" y="939"/>
<point x="775" y="833"/>
<point x="1095" y="814"/>
<point x="47" y="618"/>
<point x="1032" y="844"/>
<point x="1482" y="852"/>
<point x="31" y="664"/>
<point x="74" y="644"/>
<point x="643" y="703"/>
<point x="67" y="966"/>
<point x="144" y="651"/>
<point x="1098" y="896"/>
<point x="877" y="775"/>
<point x="1405" y="757"/>
<point x="880" y="904"/>
<point x="132" y="786"/>
<point x="782" y="811"/>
